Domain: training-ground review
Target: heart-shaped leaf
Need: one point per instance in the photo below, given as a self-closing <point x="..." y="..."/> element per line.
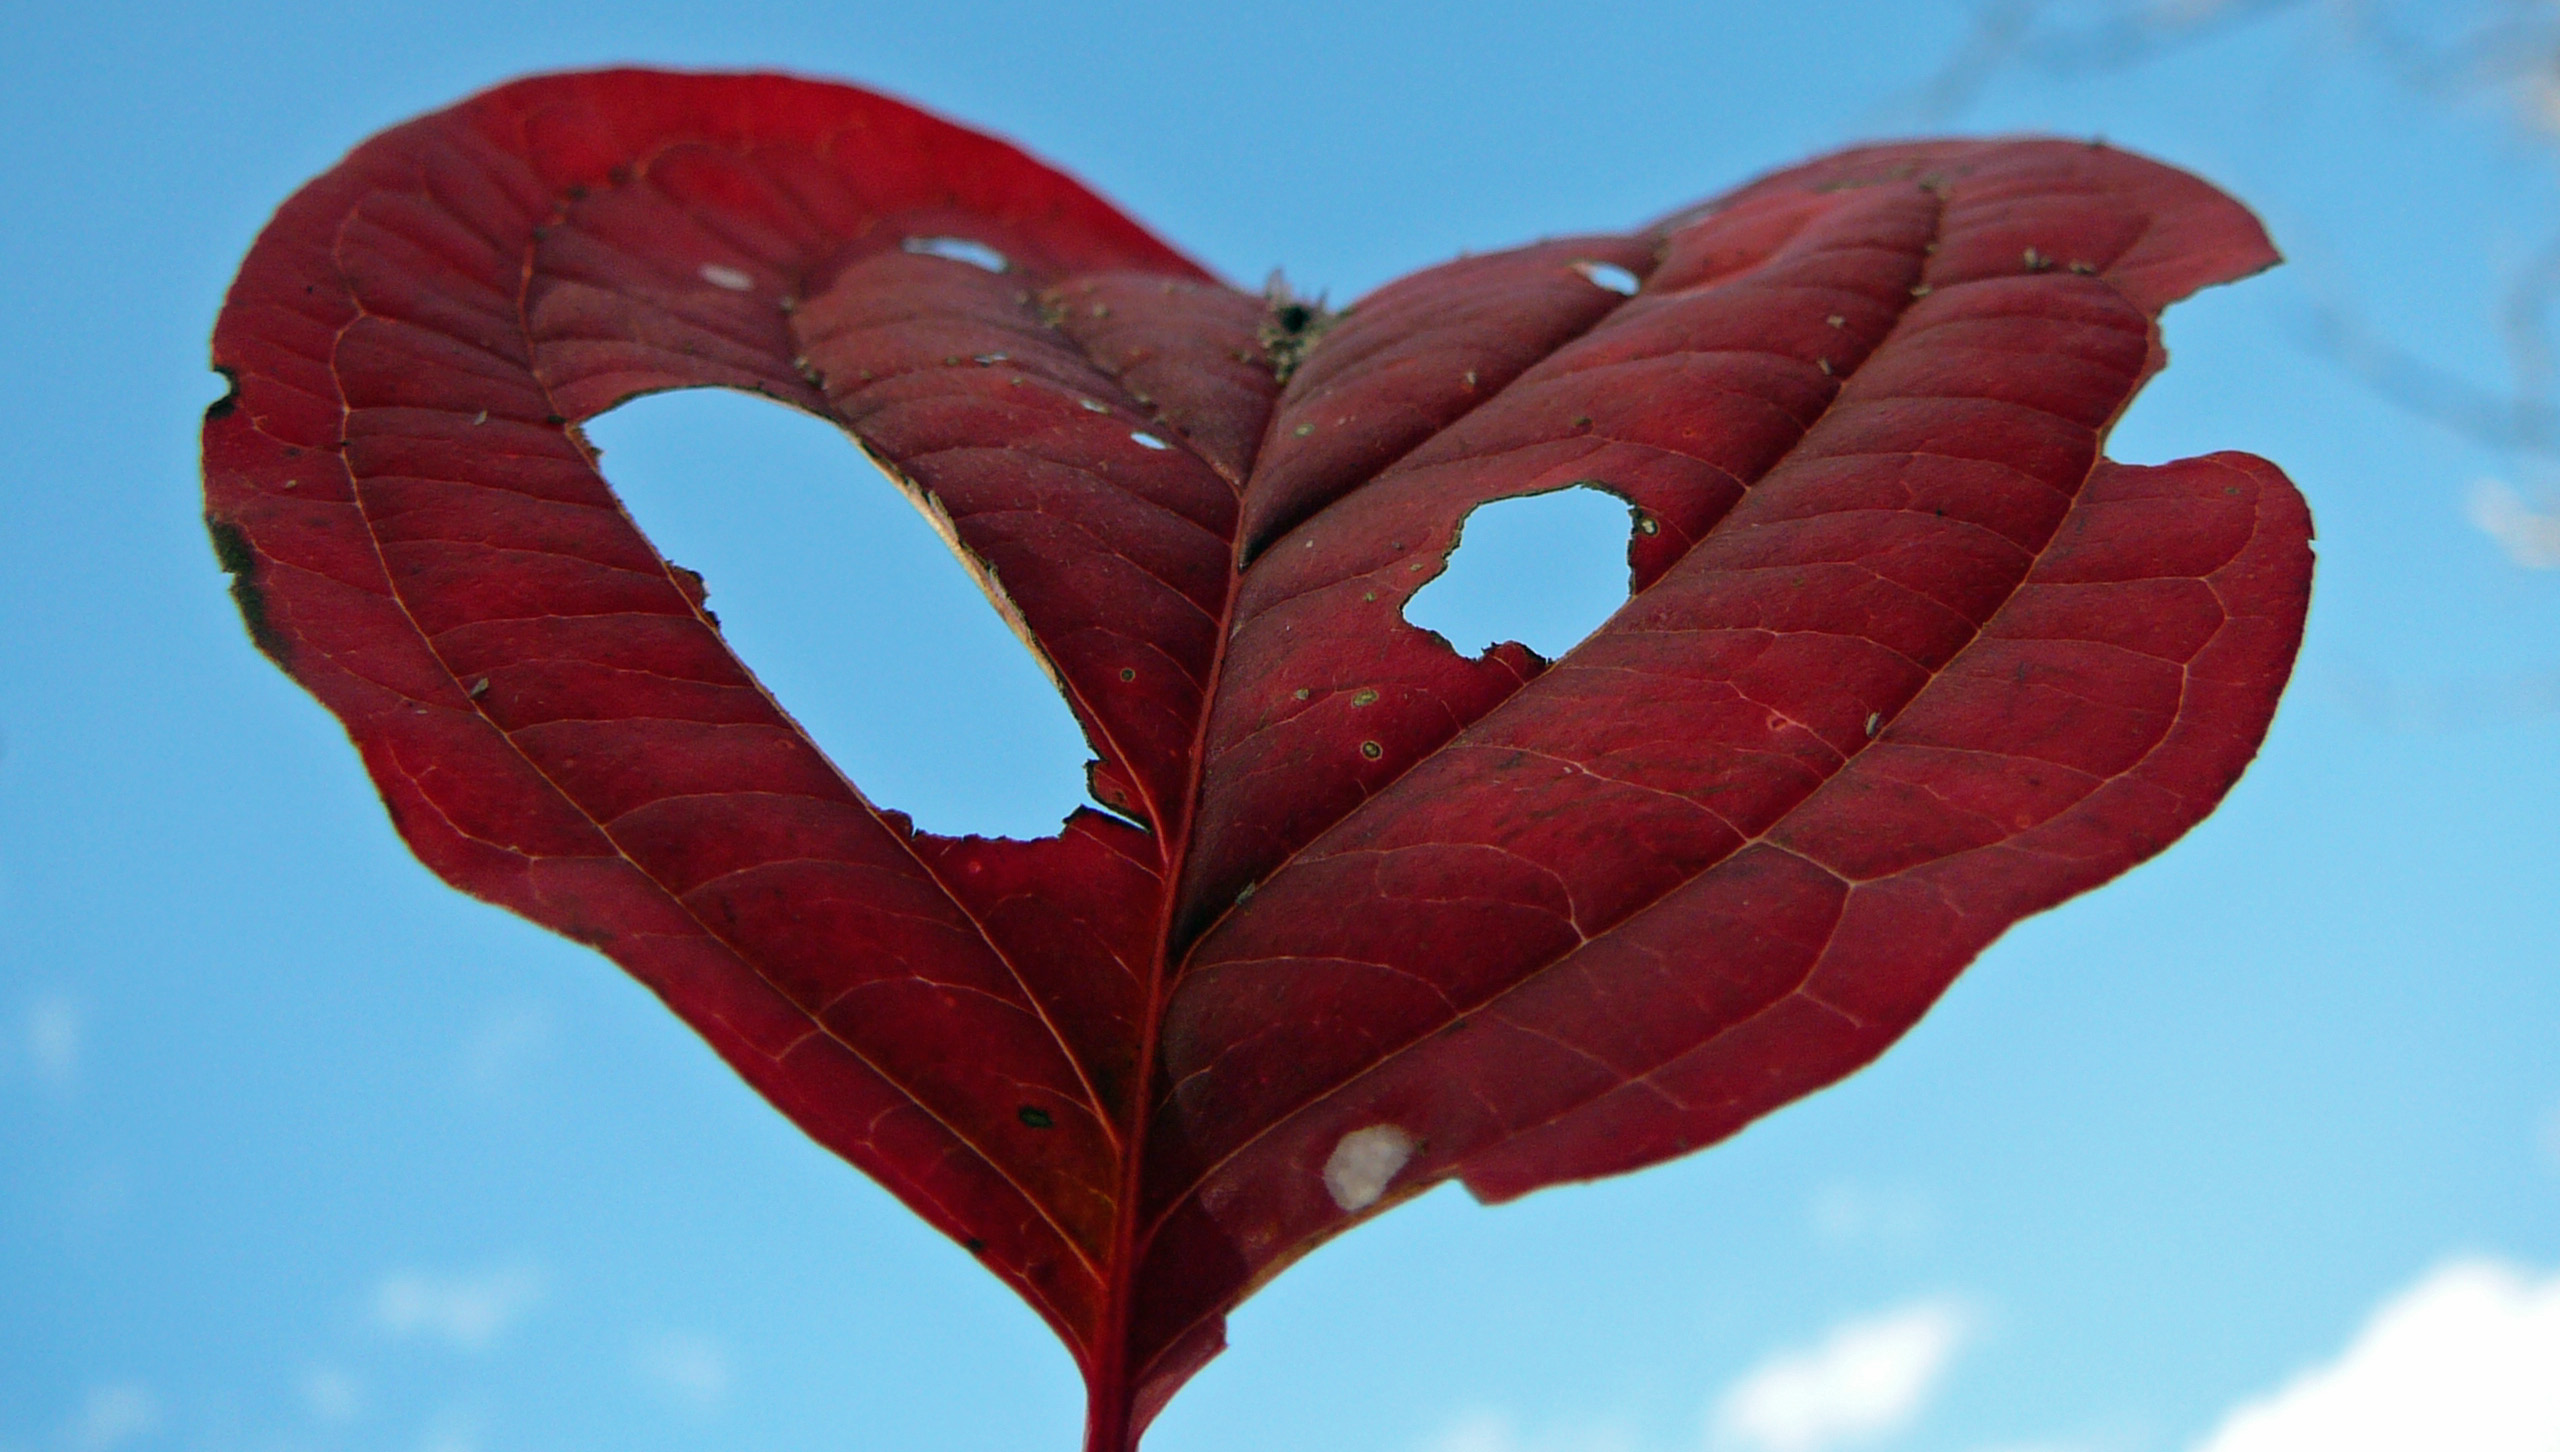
<point x="1906" y="658"/>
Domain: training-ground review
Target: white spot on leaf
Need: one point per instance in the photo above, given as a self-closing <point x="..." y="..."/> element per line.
<point x="728" y="277"/>
<point x="1149" y="441"/>
<point x="958" y="249"/>
<point x="1364" y="1163"/>
<point x="1609" y="275"/>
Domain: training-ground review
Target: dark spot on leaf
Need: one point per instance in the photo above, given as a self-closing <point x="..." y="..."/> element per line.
<point x="1035" y="1117"/>
<point x="975" y="1245"/>
<point x="1372" y="750"/>
<point x="231" y="550"/>
<point x="1291" y="326"/>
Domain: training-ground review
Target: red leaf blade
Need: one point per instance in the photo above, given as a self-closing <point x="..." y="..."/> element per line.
<point x="1906" y="658"/>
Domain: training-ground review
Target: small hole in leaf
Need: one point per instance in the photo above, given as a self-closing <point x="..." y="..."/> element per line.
<point x="1609" y="275"/>
<point x="1544" y="571"/>
<point x="958" y="249"/>
<point x="1148" y="441"/>
<point x="850" y="609"/>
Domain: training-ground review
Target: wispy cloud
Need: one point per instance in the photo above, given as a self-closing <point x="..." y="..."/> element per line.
<point x="468" y="1313"/>
<point x="2530" y="537"/>
<point x="691" y="1370"/>
<point x="450" y="1432"/>
<point x="2468" y="1358"/>
<point x="503" y="1046"/>
<point x="1488" y="1431"/>
<point x="1866" y="1379"/>
<point x="114" y="1415"/>
<point x="1846" y="1216"/>
<point x="332" y="1396"/>
<point x="53" y="1042"/>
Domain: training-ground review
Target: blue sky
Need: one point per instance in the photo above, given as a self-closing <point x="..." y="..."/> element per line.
<point x="300" y="1150"/>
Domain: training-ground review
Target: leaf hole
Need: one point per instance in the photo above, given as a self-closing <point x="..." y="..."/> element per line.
<point x="1544" y="570"/>
<point x="1610" y="276"/>
<point x="849" y="608"/>
<point x="959" y="249"/>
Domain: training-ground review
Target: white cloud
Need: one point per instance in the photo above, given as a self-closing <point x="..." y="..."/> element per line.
<point x="2531" y="537"/>
<point x="332" y="1395"/>
<point x="468" y="1313"/>
<point x="53" y="1041"/>
<point x="2468" y="1358"/>
<point x="1867" y="1379"/>
<point x="692" y="1370"/>
<point x="113" y="1416"/>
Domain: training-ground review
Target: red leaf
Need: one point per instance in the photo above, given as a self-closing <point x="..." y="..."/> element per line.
<point x="1906" y="660"/>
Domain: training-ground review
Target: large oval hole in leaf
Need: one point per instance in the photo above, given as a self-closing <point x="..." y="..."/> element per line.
<point x="1544" y="571"/>
<point x="850" y="609"/>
